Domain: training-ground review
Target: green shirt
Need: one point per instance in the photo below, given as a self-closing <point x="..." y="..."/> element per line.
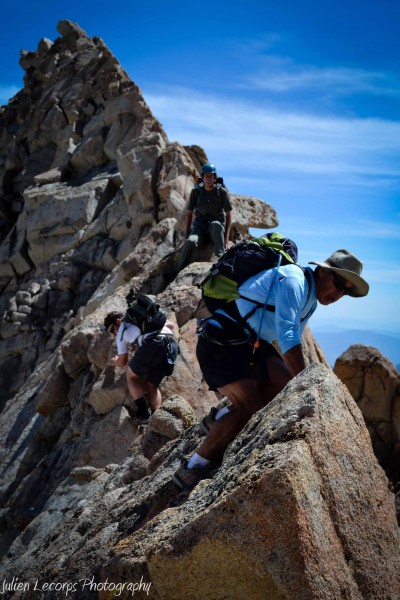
<point x="214" y="203"/>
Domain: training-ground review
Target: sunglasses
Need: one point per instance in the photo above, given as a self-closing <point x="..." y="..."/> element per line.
<point x="341" y="285"/>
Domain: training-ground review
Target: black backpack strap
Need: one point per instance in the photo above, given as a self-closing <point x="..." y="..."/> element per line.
<point x="152" y="334"/>
<point x="270" y="307"/>
<point x="123" y="331"/>
<point x="205" y="219"/>
<point x="231" y="311"/>
<point x="257" y="304"/>
<point x="309" y="277"/>
<point x="222" y="333"/>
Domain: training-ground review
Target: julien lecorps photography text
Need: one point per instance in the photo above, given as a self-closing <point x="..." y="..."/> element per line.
<point x="69" y="588"/>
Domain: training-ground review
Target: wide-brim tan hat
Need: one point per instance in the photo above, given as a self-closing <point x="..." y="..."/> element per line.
<point x="347" y="266"/>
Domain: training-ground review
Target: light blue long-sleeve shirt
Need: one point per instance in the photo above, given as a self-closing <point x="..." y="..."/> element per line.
<point x="288" y="290"/>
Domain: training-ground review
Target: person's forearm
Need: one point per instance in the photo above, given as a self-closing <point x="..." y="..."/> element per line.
<point x="119" y="360"/>
<point x="228" y="221"/>
<point x="294" y="359"/>
<point x="188" y="222"/>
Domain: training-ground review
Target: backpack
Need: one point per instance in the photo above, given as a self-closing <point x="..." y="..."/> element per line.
<point x="242" y="261"/>
<point x="219" y="184"/>
<point x="145" y="313"/>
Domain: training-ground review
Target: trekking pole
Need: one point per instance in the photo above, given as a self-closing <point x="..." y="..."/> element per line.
<point x="256" y="344"/>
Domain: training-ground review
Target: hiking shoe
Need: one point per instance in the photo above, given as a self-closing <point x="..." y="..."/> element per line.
<point x="143" y="415"/>
<point x="209" y="420"/>
<point x="140" y="421"/>
<point x="187" y="479"/>
<point x="140" y="416"/>
<point x="142" y="411"/>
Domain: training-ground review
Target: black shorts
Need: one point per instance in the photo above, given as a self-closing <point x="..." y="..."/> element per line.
<point x="225" y="364"/>
<point x="155" y="358"/>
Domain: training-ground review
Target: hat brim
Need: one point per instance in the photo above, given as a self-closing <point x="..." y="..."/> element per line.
<point x="361" y="287"/>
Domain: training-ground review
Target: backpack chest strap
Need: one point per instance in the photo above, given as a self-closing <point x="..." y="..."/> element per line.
<point x="270" y="307"/>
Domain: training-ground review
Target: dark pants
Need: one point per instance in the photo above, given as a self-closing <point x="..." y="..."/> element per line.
<point x="155" y="358"/>
<point x="213" y="230"/>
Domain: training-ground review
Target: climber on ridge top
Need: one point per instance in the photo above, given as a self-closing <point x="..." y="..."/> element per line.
<point x="210" y="203"/>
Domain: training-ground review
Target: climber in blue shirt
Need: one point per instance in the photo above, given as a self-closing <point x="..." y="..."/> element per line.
<point x="235" y="349"/>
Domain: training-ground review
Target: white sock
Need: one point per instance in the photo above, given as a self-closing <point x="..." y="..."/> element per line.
<point x="197" y="461"/>
<point x="222" y="411"/>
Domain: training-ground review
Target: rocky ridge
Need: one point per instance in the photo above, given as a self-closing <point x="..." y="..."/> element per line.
<point x="93" y="194"/>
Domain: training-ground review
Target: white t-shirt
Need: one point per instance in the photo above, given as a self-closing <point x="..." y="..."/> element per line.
<point x="131" y="333"/>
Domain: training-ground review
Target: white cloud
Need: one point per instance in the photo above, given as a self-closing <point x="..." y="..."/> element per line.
<point x="276" y="73"/>
<point x="383" y="231"/>
<point x="261" y="138"/>
<point x="251" y="49"/>
<point x="337" y="81"/>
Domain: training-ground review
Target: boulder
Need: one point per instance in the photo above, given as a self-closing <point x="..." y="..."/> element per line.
<point x="374" y="383"/>
<point x="74" y="352"/>
<point x="109" y="391"/>
<point x="248" y="211"/>
<point x="290" y="513"/>
<point x="54" y="392"/>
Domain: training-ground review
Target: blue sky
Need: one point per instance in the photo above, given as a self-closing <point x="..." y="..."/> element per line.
<point x="296" y="102"/>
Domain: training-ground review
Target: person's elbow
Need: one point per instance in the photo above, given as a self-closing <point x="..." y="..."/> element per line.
<point x="289" y="338"/>
<point x="119" y="360"/>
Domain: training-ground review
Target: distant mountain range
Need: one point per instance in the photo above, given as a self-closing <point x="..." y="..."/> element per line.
<point x="334" y="343"/>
